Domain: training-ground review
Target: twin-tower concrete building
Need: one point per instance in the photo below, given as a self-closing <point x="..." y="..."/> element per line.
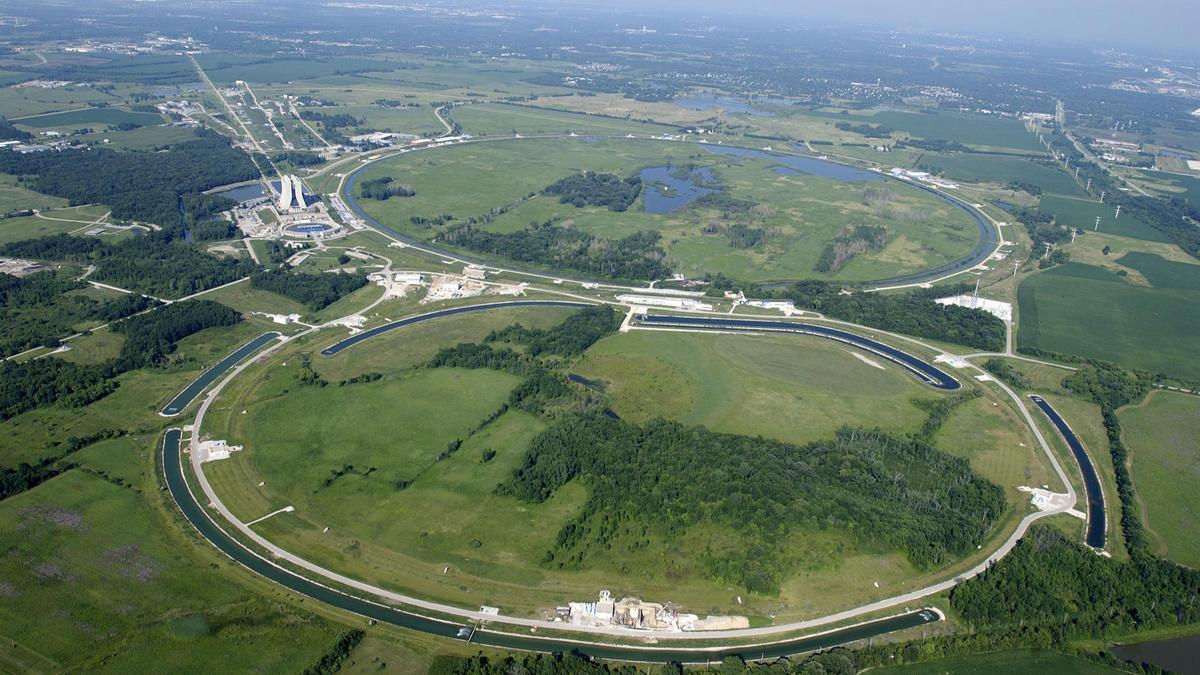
<point x="291" y="194"/>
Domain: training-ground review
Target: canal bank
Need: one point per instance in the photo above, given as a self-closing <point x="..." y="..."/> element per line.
<point x="173" y="473"/>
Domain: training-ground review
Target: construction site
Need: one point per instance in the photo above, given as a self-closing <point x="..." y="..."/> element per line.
<point x="634" y="613"/>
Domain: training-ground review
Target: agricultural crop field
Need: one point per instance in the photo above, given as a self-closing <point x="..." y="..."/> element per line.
<point x="1162" y="434"/>
<point x="90" y="116"/>
<point x="798" y="215"/>
<point x="1090" y="311"/>
<point x="1081" y="213"/>
<point x="1019" y="662"/>
<point x="498" y="119"/>
<point x="1000" y="169"/>
<point x="980" y="131"/>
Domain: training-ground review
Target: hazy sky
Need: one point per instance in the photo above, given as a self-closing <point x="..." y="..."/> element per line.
<point x="1173" y="24"/>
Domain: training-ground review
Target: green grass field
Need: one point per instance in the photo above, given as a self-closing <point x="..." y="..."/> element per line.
<point x="446" y="535"/>
<point x="1162" y="433"/>
<point x="498" y="119"/>
<point x="14" y="196"/>
<point x="89" y="117"/>
<point x="91" y="580"/>
<point x="1019" y="662"/>
<point x="1081" y="213"/>
<point x="983" y="168"/>
<point x="1089" y="311"/>
<point x="800" y="213"/>
<point x="796" y="389"/>
<point x="972" y="130"/>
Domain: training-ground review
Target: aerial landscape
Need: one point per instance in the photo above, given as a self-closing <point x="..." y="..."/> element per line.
<point x="543" y="336"/>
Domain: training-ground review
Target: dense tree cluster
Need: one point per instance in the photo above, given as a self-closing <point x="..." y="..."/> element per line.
<point x="137" y="185"/>
<point x="10" y="133"/>
<point x="149" y="338"/>
<point x="155" y="263"/>
<point x="331" y="662"/>
<point x="910" y="312"/>
<point x="743" y="236"/>
<point x="569" y="338"/>
<point x="331" y="121"/>
<point x="879" y="488"/>
<point x="384" y="188"/>
<point x="868" y="130"/>
<point x="315" y="291"/>
<point x="40" y="310"/>
<point x="1109" y="385"/>
<point x="597" y="189"/>
<point x="1005" y="372"/>
<point x="849" y="242"/>
<point x="296" y="158"/>
<point x="638" y="256"/>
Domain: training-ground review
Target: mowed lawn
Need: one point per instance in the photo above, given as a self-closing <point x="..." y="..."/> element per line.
<point x="1082" y="212"/>
<point x="1163" y="433"/>
<point x="1088" y="311"/>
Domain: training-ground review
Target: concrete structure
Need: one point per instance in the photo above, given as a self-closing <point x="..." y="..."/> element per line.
<point x="668" y="302"/>
<point x="211" y="451"/>
<point x="285" y="193"/>
<point x="411" y="278"/>
<point x="475" y="272"/>
<point x="298" y="193"/>
<point x="1001" y="310"/>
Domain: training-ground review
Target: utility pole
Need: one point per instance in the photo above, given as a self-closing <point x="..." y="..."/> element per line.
<point x="1102" y="193"/>
<point x="1016" y="266"/>
<point x="1097" y="228"/>
<point x="1089" y="186"/>
<point x="1076" y="173"/>
<point x="1118" y="213"/>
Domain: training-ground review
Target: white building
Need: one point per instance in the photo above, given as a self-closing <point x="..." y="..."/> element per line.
<point x="672" y="303"/>
<point x="411" y="278"/>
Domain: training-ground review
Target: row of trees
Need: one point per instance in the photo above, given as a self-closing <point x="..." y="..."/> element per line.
<point x="315" y="291"/>
<point x="149" y="339"/>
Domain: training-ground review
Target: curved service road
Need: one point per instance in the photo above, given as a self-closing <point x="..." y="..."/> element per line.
<point x="437" y="618"/>
<point x="990" y="238"/>
<point x="177" y="483"/>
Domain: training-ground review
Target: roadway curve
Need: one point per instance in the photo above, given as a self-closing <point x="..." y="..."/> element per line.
<point x="187" y="502"/>
<point x="990" y="238"/>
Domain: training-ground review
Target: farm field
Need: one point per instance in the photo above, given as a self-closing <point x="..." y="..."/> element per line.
<point x="1089" y="311"/>
<point x="1187" y="187"/>
<point x="979" y="131"/>
<point x="1162" y="434"/>
<point x="90" y="116"/>
<point x="372" y="476"/>
<point x="1081" y="213"/>
<point x="799" y="215"/>
<point x="498" y="119"/>
<point x="999" y="169"/>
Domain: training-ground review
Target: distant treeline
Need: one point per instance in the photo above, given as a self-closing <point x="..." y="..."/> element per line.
<point x="314" y="291"/>
<point x="156" y="263"/>
<point x="596" y="189"/>
<point x="333" y="121"/>
<point x="149" y="339"/>
<point x="146" y="186"/>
